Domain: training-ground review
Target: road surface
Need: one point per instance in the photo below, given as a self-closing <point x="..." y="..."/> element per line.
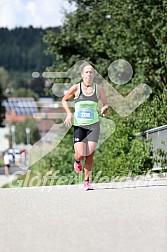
<point x="13" y="169"/>
<point x="13" y="175"/>
<point x="117" y="217"/>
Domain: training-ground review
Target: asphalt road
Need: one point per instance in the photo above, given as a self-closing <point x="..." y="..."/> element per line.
<point x="12" y="169"/>
<point x="123" y="217"/>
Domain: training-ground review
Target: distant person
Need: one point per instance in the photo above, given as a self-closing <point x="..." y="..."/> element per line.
<point x="13" y="158"/>
<point x="86" y="95"/>
<point x="7" y="163"/>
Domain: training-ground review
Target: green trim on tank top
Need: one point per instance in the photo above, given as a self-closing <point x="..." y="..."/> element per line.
<point x="94" y="89"/>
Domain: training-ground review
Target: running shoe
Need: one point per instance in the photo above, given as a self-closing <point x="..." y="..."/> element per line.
<point x="87" y="186"/>
<point x="77" y="167"/>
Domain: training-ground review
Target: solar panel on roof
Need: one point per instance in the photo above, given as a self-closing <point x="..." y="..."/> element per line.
<point x="21" y="106"/>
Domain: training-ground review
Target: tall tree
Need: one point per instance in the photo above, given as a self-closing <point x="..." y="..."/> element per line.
<point x="21" y="131"/>
<point x="2" y="108"/>
<point x="106" y="30"/>
<point x="24" y="92"/>
<point x="103" y="31"/>
<point x="5" y="87"/>
<point x="4" y="79"/>
<point x="22" y="49"/>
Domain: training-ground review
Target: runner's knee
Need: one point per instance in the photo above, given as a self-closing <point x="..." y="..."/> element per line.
<point x="78" y="156"/>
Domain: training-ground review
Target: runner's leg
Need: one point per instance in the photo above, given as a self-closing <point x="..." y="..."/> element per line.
<point x="80" y="151"/>
<point x="6" y="170"/>
<point x="91" y="146"/>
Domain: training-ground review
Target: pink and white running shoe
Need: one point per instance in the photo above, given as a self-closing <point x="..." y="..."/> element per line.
<point x="77" y="167"/>
<point x="87" y="186"/>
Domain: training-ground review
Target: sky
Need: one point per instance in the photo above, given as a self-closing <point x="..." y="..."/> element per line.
<point x="38" y="13"/>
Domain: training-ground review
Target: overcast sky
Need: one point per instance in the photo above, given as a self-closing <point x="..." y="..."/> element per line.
<point x="38" y="13"/>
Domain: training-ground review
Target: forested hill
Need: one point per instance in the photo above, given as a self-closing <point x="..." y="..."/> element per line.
<point x="22" y="49"/>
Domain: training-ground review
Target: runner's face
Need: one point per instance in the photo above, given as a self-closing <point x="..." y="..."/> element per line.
<point x="88" y="74"/>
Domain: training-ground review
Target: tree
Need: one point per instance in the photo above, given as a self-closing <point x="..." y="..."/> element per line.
<point x="5" y="80"/>
<point x="5" y="85"/>
<point x="22" y="49"/>
<point x="104" y="31"/>
<point x="23" y="92"/>
<point x="2" y="108"/>
<point x="37" y="85"/>
<point x="21" y="131"/>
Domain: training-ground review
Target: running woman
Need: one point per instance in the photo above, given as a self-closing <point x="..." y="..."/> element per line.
<point x="86" y="119"/>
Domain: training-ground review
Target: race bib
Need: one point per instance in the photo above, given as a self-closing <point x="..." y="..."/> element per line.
<point x="85" y="114"/>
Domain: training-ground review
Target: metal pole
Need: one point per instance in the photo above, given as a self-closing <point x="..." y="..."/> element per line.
<point x="13" y="135"/>
<point x="28" y="130"/>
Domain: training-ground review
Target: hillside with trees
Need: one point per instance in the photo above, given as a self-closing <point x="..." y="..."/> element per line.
<point x="22" y="49"/>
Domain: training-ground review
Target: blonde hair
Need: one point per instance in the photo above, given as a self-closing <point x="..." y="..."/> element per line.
<point x="86" y="64"/>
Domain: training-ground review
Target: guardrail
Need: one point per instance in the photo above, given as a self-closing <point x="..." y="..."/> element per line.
<point x="159" y="141"/>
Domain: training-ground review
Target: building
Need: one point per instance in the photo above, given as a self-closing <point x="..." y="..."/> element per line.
<point x="46" y="113"/>
<point x="18" y="109"/>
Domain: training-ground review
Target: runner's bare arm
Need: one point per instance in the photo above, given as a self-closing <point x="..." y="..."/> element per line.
<point x="70" y="93"/>
<point x="103" y="98"/>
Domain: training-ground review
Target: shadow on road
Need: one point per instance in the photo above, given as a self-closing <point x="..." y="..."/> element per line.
<point x="130" y="187"/>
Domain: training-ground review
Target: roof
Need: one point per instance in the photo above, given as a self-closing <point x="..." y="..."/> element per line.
<point x="21" y="106"/>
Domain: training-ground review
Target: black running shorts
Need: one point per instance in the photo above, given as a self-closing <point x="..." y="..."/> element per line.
<point x="87" y="133"/>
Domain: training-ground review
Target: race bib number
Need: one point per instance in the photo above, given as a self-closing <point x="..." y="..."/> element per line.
<point x="85" y="114"/>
